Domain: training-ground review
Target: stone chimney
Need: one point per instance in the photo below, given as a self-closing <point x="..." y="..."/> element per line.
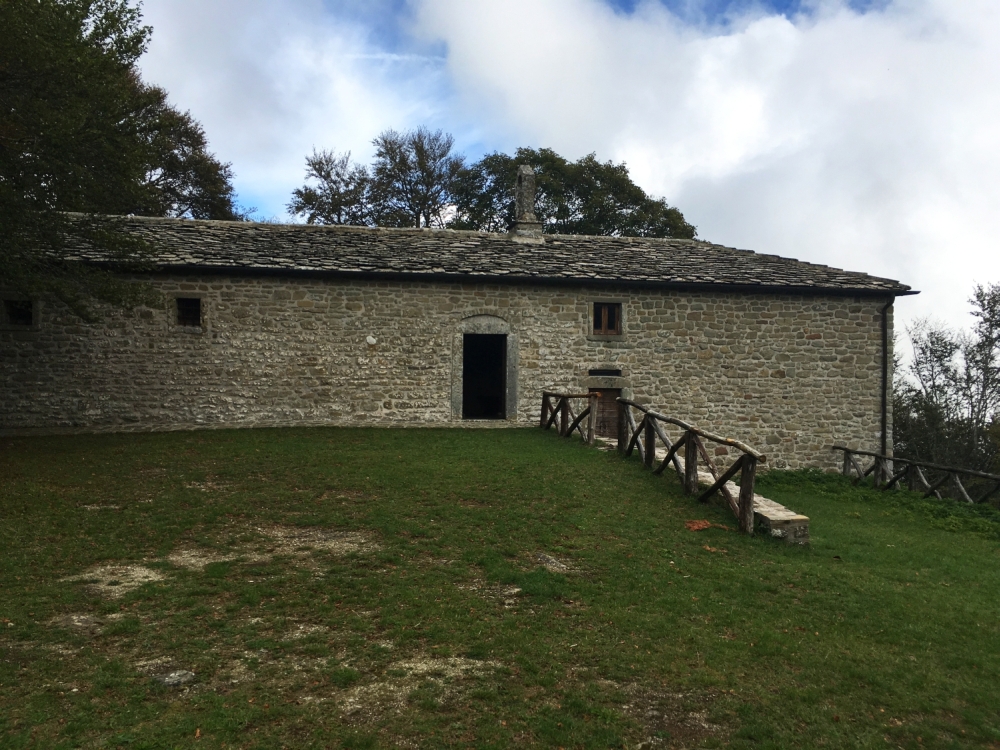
<point x="526" y="224"/>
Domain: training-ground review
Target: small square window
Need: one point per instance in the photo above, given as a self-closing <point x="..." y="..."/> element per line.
<point x="18" y="312"/>
<point x="607" y="318"/>
<point x="188" y="311"/>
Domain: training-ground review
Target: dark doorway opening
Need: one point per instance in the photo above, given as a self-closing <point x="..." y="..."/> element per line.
<point x="607" y="411"/>
<point x="484" y="376"/>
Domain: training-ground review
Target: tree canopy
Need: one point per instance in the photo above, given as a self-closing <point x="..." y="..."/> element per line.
<point x="946" y="406"/>
<point x="340" y="192"/>
<point x="587" y="196"/>
<point x="81" y="132"/>
<point x="416" y="181"/>
<point x="413" y="177"/>
<point x="183" y="177"/>
<point x="410" y="183"/>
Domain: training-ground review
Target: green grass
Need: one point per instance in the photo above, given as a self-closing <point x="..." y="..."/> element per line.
<point x="882" y="633"/>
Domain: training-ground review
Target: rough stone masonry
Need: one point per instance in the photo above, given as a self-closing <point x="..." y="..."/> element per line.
<point x="791" y="372"/>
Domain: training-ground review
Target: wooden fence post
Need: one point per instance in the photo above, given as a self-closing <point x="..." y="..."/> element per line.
<point x="690" y="463"/>
<point x="622" y="428"/>
<point x="592" y="418"/>
<point x="846" y="471"/>
<point x="650" y="439"/>
<point x="879" y="475"/>
<point x="546" y="405"/>
<point x="563" y="416"/>
<point x="748" y="474"/>
<point x="962" y="494"/>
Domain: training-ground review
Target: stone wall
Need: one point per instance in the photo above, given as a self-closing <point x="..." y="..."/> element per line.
<point x="790" y="374"/>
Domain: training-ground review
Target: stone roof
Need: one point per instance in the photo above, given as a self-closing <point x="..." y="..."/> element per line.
<point x="472" y="256"/>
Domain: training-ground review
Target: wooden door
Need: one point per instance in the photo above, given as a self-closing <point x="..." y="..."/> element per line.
<point x="607" y="411"/>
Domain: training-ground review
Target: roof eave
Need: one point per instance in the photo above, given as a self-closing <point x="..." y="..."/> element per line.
<point x="456" y="278"/>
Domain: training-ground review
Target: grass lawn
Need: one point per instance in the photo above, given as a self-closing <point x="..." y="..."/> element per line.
<point x="368" y="588"/>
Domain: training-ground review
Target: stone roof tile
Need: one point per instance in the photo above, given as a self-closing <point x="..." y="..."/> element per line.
<point x="280" y="248"/>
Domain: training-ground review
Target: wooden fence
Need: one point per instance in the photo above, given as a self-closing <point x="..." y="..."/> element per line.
<point x="566" y="420"/>
<point x="889" y="472"/>
<point x="643" y="436"/>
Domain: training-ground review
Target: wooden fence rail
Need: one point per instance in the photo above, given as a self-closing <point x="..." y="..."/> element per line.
<point x="642" y="436"/>
<point x="889" y="472"/>
<point x="561" y="413"/>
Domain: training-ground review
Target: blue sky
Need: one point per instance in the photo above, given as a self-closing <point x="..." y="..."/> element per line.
<point x="851" y="133"/>
<point x="713" y="10"/>
<point x="720" y="11"/>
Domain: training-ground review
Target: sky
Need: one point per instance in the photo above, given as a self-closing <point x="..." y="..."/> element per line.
<point x="861" y="135"/>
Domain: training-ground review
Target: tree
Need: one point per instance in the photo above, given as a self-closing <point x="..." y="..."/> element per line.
<point x="583" y="197"/>
<point x="946" y="406"/>
<point x="410" y="184"/>
<point x="926" y="408"/>
<point x="80" y="132"/>
<point x="980" y="377"/>
<point x="484" y="195"/>
<point x="340" y="195"/>
<point x="186" y="179"/>
<point x="413" y="177"/>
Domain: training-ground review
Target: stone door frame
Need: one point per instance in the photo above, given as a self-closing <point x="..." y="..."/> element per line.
<point x="483" y="323"/>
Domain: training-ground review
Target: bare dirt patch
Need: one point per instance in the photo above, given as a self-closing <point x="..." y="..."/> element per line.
<point x="670" y="719"/>
<point x="196" y="559"/>
<point x="153" y="665"/>
<point x="451" y="667"/>
<point x="298" y="540"/>
<point x="164" y="670"/>
<point x="236" y="672"/>
<point x="506" y="596"/>
<point x="62" y="649"/>
<point x="207" y="486"/>
<point x="291" y="541"/>
<point x="290" y="672"/>
<point x="176" y="678"/>
<point x="113" y="581"/>
<point x="551" y="564"/>
<point x="304" y="631"/>
<point x="370" y="701"/>
<point x="81" y="623"/>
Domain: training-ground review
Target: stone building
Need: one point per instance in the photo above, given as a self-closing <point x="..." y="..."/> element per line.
<point x="266" y="325"/>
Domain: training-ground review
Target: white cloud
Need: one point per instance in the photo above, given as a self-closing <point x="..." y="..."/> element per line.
<point x="865" y="141"/>
<point x="269" y="81"/>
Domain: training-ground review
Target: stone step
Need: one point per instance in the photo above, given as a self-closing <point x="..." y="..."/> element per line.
<point x="775" y="518"/>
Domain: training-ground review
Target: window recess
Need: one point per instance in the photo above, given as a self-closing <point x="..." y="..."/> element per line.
<point x="18" y="312"/>
<point x="607" y="318"/>
<point x="189" y="311"/>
